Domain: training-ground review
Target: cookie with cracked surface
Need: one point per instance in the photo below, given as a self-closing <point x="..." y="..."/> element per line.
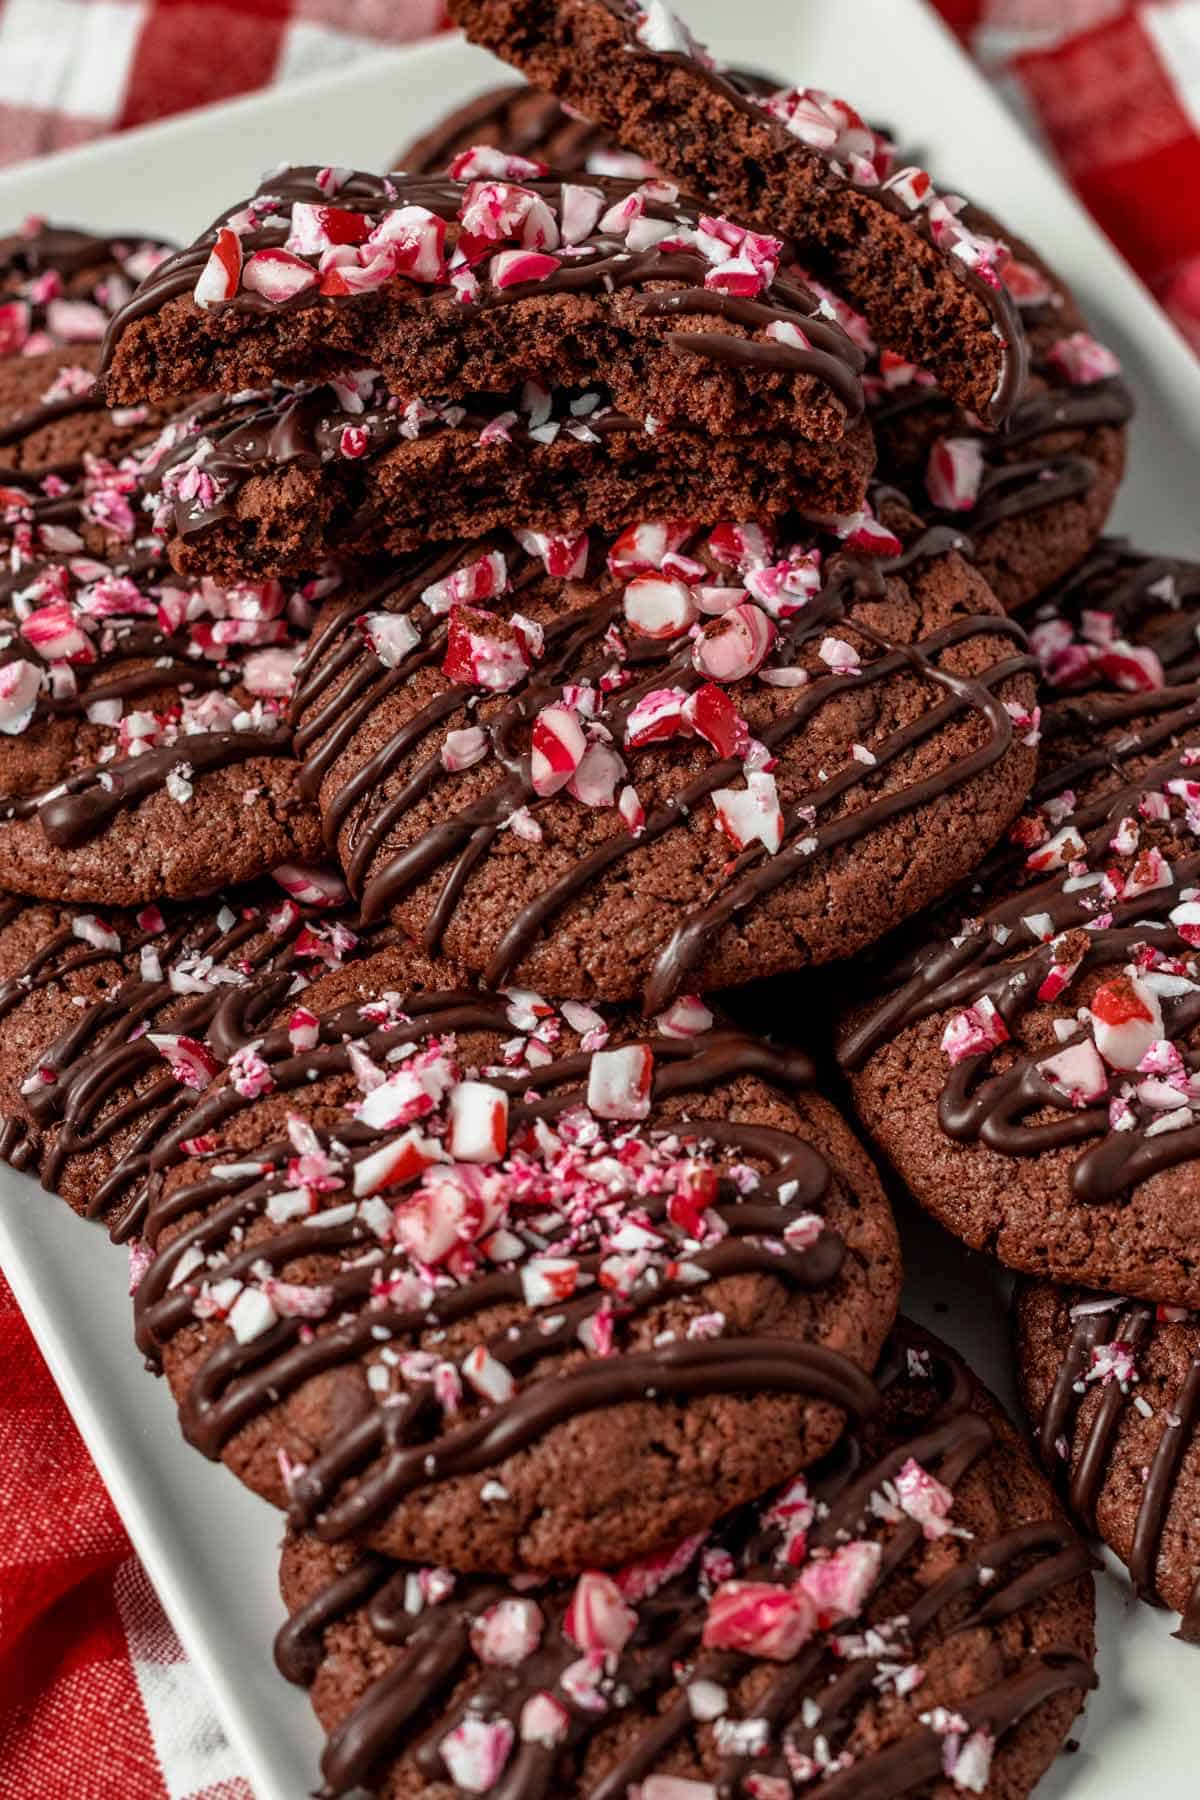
<point x="1030" y="1065"/>
<point x="920" y="265"/>
<point x="498" y="1284"/>
<point x="678" y="759"/>
<point x="60" y="286"/>
<point x="144" y="750"/>
<point x="913" y="1617"/>
<point x="114" y="1022"/>
<point x="458" y="288"/>
<point x="1112" y="1389"/>
<point x="276" y="484"/>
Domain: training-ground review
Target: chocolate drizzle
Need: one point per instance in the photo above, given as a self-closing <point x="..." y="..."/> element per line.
<point x="1017" y="487"/>
<point x="364" y="1469"/>
<point x="1118" y="748"/>
<point x="808" y="1705"/>
<point x="700" y="154"/>
<point x="598" y="265"/>
<point x="131" y="656"/>
<point x="102" y="1078"/>
<point x="341" y="684"/>
<point x="1082" y="1458"/>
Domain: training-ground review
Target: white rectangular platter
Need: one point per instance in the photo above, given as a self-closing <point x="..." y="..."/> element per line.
<point x="209" y="1547"/>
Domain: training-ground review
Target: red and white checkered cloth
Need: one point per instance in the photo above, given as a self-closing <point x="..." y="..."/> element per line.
<point x="96" y="1697"/>
<point x="97" y="1701"/>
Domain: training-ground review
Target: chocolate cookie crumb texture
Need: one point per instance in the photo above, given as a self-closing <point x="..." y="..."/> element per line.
<point x="913" y="1615"/>
<point x="922" y="265"/>
<point x="1034" y="497"/>
<point x="276" y="483"/>
<point x="53" y="420"/>
<point x="518" y="120"/>
<point x="494" y="1283"/>
<point x="460" y="288"/>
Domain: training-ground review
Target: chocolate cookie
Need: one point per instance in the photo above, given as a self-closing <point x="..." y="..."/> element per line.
<point x="496" y="1284"/>
<point x="677" y="760"/>
<point x="276" y="484"/>
<point x="1034" y="497"/>
<point x="921" y="266"/>
<point x="53" y="415"/>
<point x="1112" y="1388"/>
<point x="113" y="1023"/>
<point x="518" y="120"/>
<point x="913" y="1617"/>
<point x="1030" y="1067"/>
<point x="458" y="288"/>
<point x="61" y="286"/>
<point x="144" y="749"/>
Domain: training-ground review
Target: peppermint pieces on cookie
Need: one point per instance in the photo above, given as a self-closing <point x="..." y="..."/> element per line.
<point x="922" y="264"/>
<point x="461" y="288"/>
<point x="498" y="1283"/>
<point x="822" y="1641"/>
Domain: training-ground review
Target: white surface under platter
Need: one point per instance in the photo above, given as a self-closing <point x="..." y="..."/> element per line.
<point x="211" y="1548"/>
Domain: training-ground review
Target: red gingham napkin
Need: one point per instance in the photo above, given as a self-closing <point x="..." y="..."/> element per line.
<point x="97" y="1701"/>
<point x="1114" y="91"/>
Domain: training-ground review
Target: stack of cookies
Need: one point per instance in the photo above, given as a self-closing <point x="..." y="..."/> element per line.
<point x="487" y="617"/>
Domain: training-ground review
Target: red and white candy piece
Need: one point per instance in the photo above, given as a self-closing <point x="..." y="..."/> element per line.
<point x="481" y="652"/>
<point x="221" y="275"/>
<point x="1077" y="1072"/>
<point x="558" y="746"/>
<point x="657" y="716"/>
<point x="641" y="549"/>
<point x="597" y="1618"/>
<point x="277" y="275"/>
<point x="974" y="1032"/>
<point x="954" y="473"/>
<point x="20" y="685"/>
<point x="544" y="1720"/>
<point x="311" y="887"/>
<point x="476" y="1751"/>
<point x="392" y="636"/>
<point x="410" y="241"/>
<point x="488" y="1375"/>
<point x="55" y="633"/>
<point x="512" y="268"/>
<point x="620" y="1082"/>
<point x="838" y="1585"/>
<point x="594" y="782"/>
<point x="751" y="814"/>
<point x="1126" y="1020"/>
<point x="478" y="1131"/>
<point x="317" y="228"/>
<point x="395" y="1164"/>
<point x="1082" y="360"/>
<point x="733" y="646"/>
<point x="924" y="1498"/>
<point x="759" y="1618"/>
<point x="192" y="1063"/>
<point x="478" y="580"/>
<point x="507" y="1632"/>
<point x="659" y="608"/>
